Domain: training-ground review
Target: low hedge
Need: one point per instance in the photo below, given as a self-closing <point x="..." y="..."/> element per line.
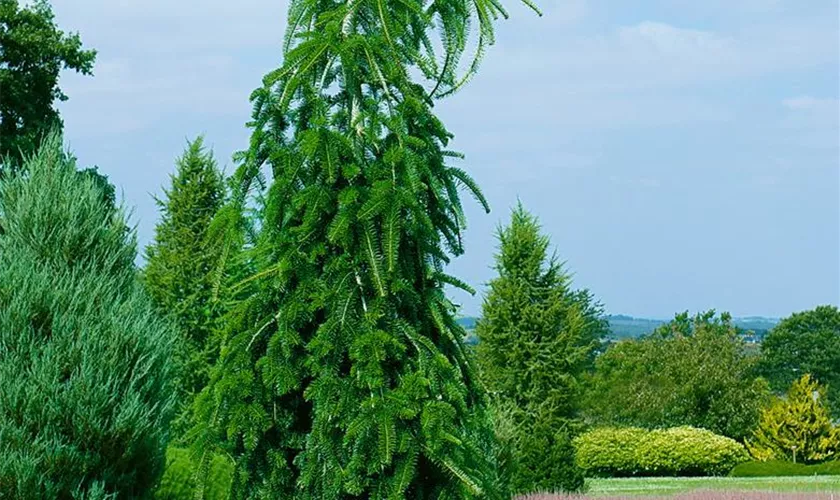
<point x="778" y="468"/>
<point x="179" y="482"/>
<point x="679" y="451"/>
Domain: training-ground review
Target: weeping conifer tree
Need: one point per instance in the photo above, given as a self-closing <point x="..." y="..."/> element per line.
<point x="343" y="373"/>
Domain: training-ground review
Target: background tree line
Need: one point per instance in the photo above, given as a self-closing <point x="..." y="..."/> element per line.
<point x="551" y="376"/>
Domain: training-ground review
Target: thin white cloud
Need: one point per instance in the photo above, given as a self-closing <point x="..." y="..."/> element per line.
<point x="813" y="124"/>
<point x="809" y="103"/>
<point x="663" y="40"/>
<point x="659" y="54"/>
<point x="727" y="7"/>
<point x="644" y="182"/>
<point x="564" y="110"/>
<point x="155" y="26"/>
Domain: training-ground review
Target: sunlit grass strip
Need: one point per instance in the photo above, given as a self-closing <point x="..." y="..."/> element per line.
<point x="703" y="495"/>
<point x="712" y="488"/>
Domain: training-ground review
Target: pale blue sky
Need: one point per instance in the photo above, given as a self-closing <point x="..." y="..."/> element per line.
<point x="683" y="155"/>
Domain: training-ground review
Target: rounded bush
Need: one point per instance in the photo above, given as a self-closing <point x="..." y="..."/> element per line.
<point x="679" y="451"/>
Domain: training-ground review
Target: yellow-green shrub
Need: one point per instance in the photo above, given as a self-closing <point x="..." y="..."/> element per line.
<point x="179" y="479"/>
<point x="679" y="451"/>
<point x="797" y="426"/>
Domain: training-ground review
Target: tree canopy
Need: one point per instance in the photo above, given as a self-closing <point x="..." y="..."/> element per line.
<point x="33" y="52"/>
<point x="806" y="342"/>
<point x="692" y="371"/>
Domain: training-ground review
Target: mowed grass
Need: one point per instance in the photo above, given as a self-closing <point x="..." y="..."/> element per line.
<point x="671" y="486"/>
<point x="708" y="488"/>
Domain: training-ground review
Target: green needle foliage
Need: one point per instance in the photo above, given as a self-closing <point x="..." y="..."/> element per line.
<point x="33" y="52"/>
<point x="181" y="263"/>
<point x="109" y="192"/>
<point x="343" y="373"/>
<point x="536" y="339"/>
<point x="798" y="427"/>
<point x="179" y="480"/>
<point x="87" y="390"/>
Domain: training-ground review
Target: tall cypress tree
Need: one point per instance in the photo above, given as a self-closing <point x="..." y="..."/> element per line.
<point x="343" y="373"/>
<point x="180" y="274"/>
<point x="85" y="361"/>
<point x="536" y="338"/>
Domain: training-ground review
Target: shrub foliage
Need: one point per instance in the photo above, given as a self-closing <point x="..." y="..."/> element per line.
<point x="179" y="481"/>
<point x="678" y="451"/>
<point x="780" y="468"/>
<point x="86" y="394"/>
<point x="797" y="426"/>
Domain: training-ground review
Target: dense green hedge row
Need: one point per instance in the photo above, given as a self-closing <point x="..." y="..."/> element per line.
<point x="778" y="468"/>
<point x="679" y="451"/>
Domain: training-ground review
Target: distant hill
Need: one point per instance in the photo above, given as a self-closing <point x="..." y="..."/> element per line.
<point x="625" y="327"/>
<point x="467" y="322"/>
<point x="628" y="327"/>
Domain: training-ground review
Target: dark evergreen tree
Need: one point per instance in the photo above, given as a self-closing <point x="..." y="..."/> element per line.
<point x="109" y="192"/>
<point x="33" y="51"/>
<point x="343" y="373"/>
<point x="182" y="261"/>
<point x="536" y="338"/>
<point x="86" y="394"/>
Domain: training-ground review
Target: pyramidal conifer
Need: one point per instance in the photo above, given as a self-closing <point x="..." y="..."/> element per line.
<point x="798" y="427"/>
<point x="536" y="339"/>
<point x="85" y="360"/>
<point x="343" y="372"/>
<point x="181" y="263"/>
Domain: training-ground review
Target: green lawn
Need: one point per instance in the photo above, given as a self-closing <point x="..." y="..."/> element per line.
<point x="674" y="485"/>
